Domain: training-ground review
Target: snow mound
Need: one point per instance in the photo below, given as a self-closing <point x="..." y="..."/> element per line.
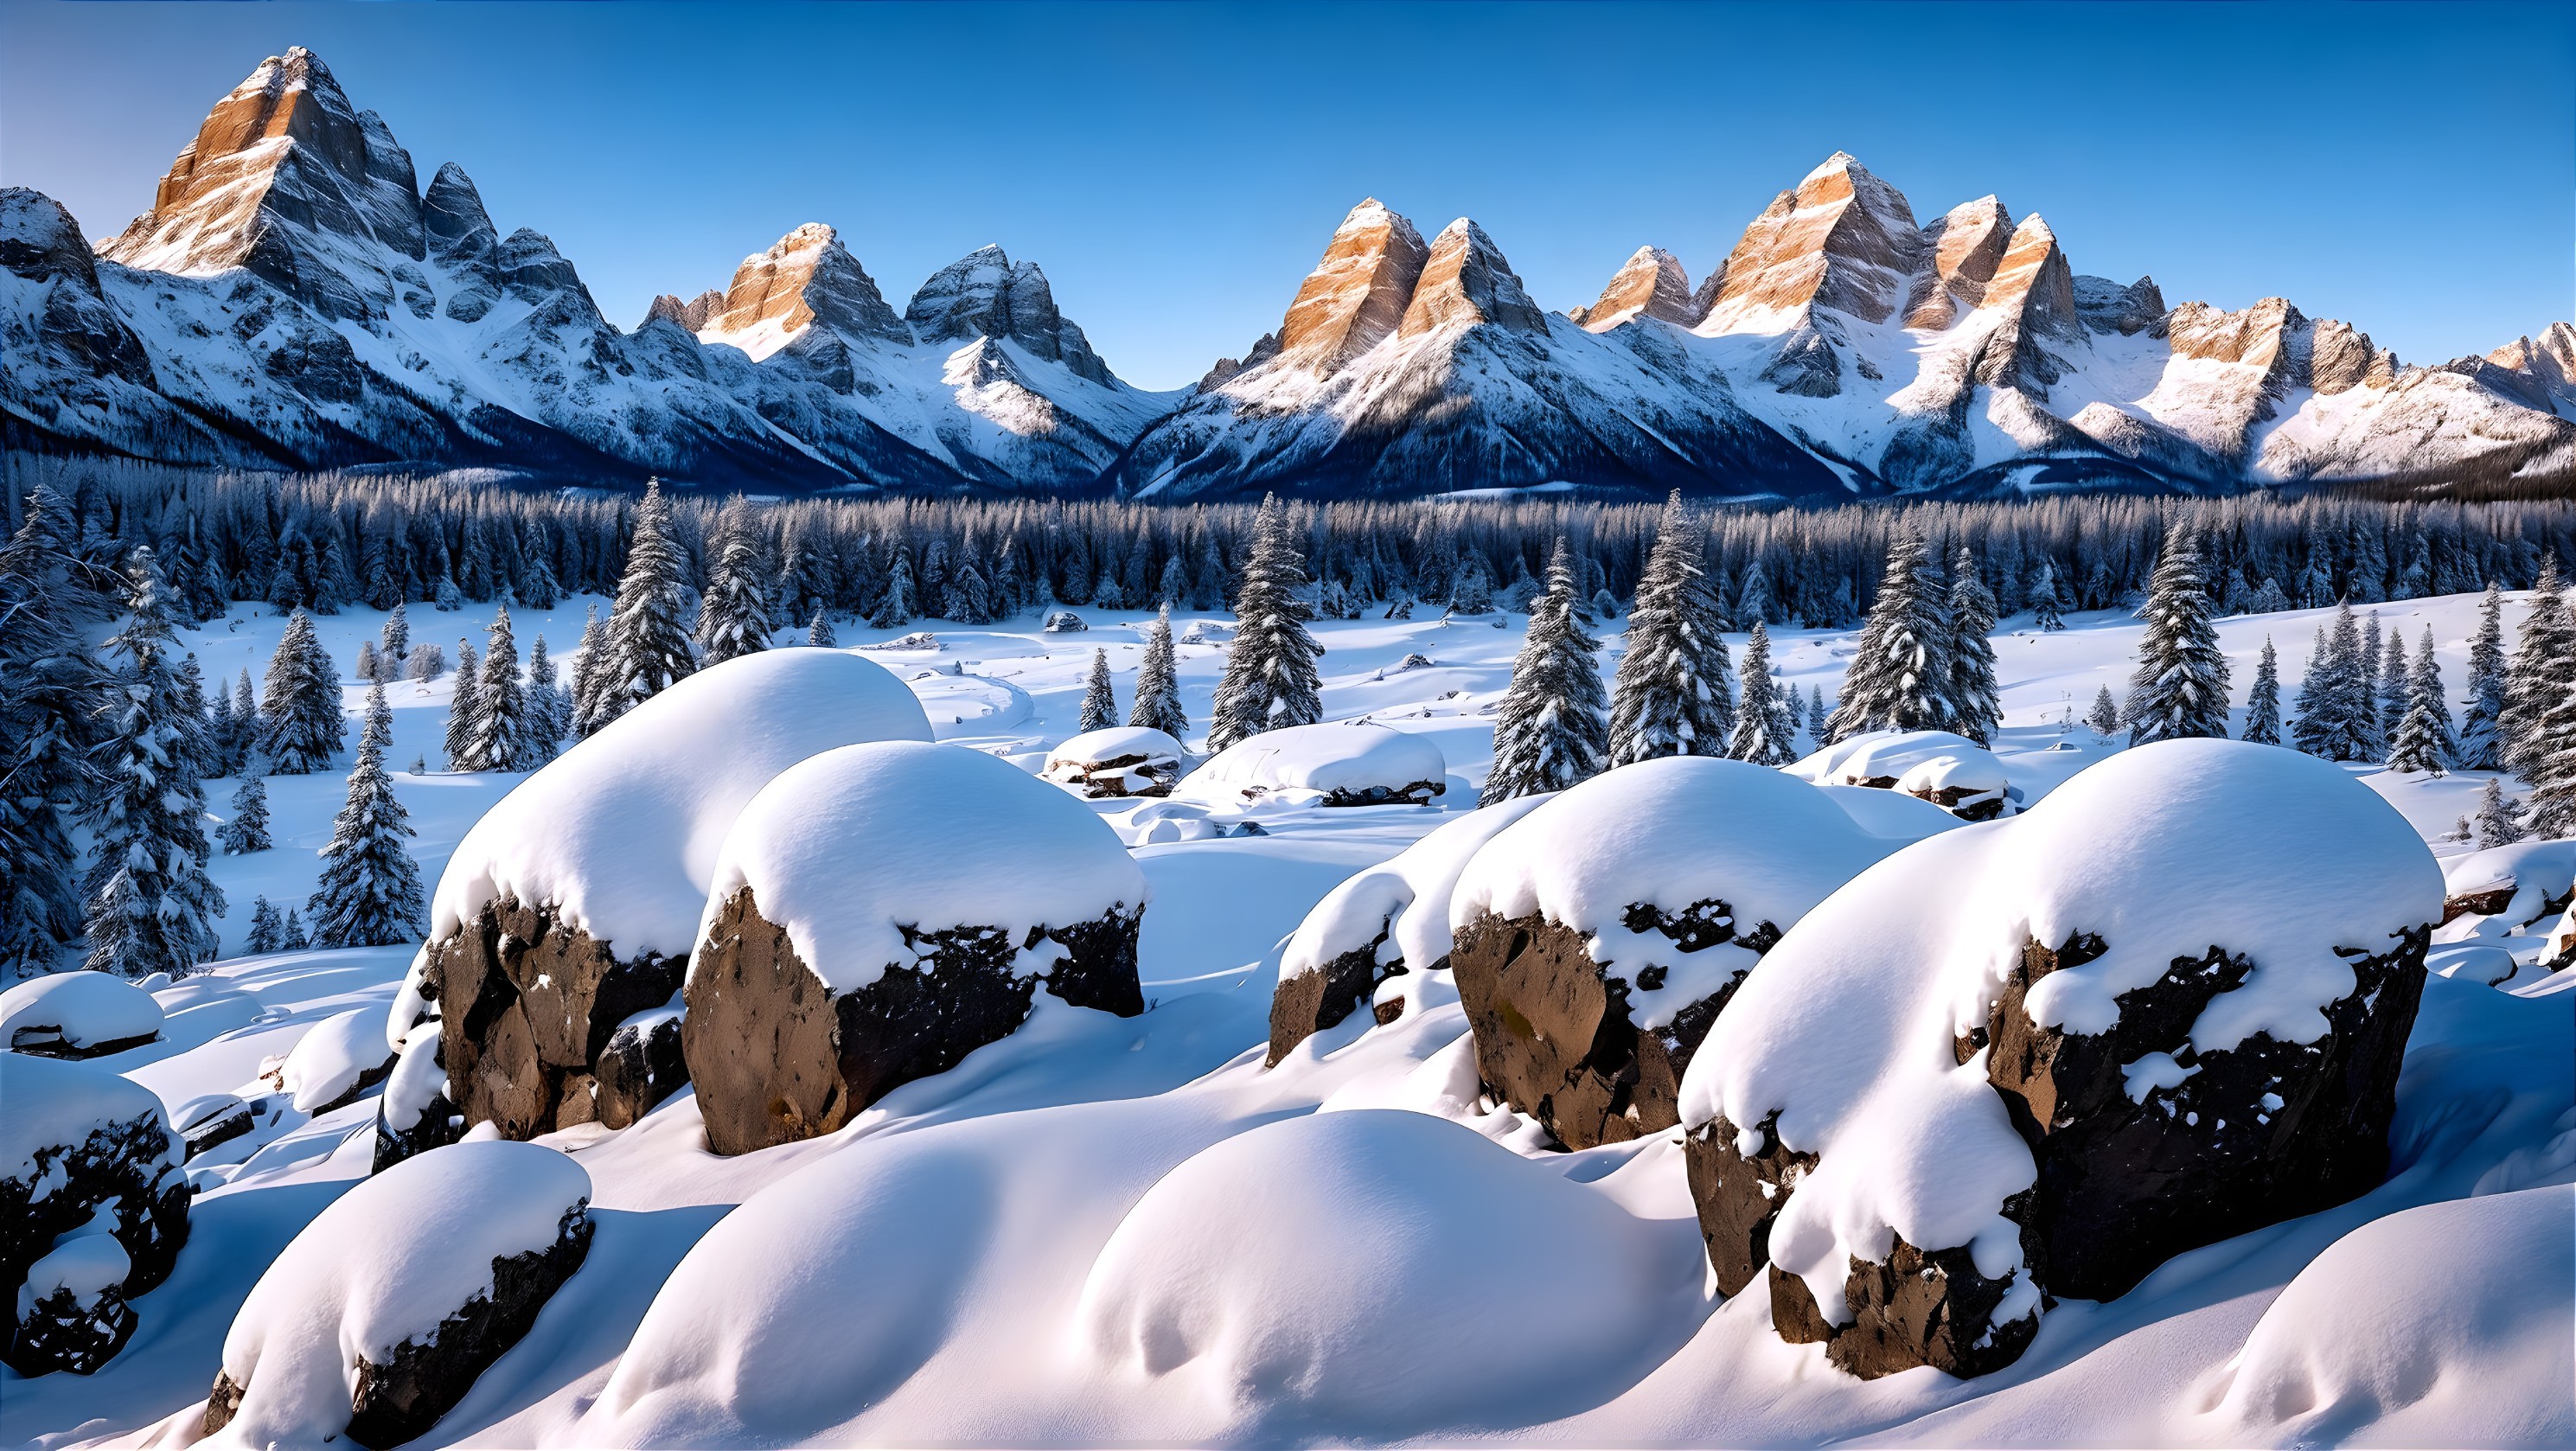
<point x="1951" y="771"/>
<point x="333" y="1058"/>
<point x="619" y="836"/>
<point x="959" y="704"/>
<point x="2507" y="887"/>
<point x="1670" y="834"/>
<point x="77" y="1015"/>
<point x="1119" y="761"/>
<point x="1330" y="765"/>
<point x="1404" y="899"/>
<point x="2419" y="1328"/>
<point x="1890" y="813"/>
<point x="1349" y="1276"/>
<point x="850" y="847"/>
<point x="382" y="1268"/>
<point x="54" y="1106"/>
<point x="1850" y="1028"/>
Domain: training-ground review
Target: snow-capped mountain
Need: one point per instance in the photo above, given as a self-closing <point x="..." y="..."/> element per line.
<point x="295" y="299"/>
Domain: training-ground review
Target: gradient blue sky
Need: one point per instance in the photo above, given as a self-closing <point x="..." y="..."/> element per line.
<point x="1176" y="168"/>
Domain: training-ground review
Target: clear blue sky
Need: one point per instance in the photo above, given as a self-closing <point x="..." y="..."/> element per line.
<point x="1176" y="169"/>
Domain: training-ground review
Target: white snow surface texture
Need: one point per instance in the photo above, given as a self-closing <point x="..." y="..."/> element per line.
<point x="88" y="1008"/>
<point x="620" y="835"/>
<point x="849" y="846"/>
<point x="1324" y="758"/>
<point x="1847" y="1028"/>
<point x="1407" y="895"/>
<point x="385" y="1264"/>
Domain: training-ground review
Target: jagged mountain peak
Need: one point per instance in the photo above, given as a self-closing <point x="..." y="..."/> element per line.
<point x="1465" y="280"/>
<point x="1651" y="283"/>
<point x="985" y="294"/>
<point x="453" y="219"/>
<point x="2108" y="307"/>
<point x="1841" y="239"/>
<point x="1962" y="248"/>
<point x="805" y="277"/>
<point x="39" y="239"/>
<point x="1357" y="294"/>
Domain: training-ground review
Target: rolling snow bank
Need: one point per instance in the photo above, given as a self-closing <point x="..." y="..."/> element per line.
<point x="377" y="1318"/>
<point x="1950" y="771"/>
<point x="1374" y="1274"/>
<point x="1120" y="761"/>
<point x="335" y="1061"/>
<point x="2165" y="1006"/>
<point x="80" y="1014"/>
<point x="2504" y="890"/>
<point x="93" y="1210"/>
<point x="1599" y="936"/>
<point x="1382" y="936"/>
<point x="567" y="910"/>
<point x="879" y="912"/>
<point x="1322" y="765"/>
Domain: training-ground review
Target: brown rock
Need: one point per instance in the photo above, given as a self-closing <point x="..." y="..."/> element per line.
<point x="1307" y="1003"/>
<point x="1651" y="283"/>
<point x="1962" y="250"/>
<point x="807" y="276"/>
<point x="1916" y="1309"/>
<point x="777" y="1056"/>
<point x="1466" y="280"/>
<point x="1357" y="295"/>
<point x="1843" y="239"/>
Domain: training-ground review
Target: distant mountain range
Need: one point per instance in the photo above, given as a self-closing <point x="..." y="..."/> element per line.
<point x="295" y="299"/>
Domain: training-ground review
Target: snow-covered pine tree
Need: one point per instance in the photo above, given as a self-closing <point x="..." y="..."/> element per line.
<point x="2047" y="601"/>
<point x="896" y="608"/>
<point x="1900" y="673"/>
<point x="1552" y="728"/>
<point x="2263" y="702"/>
<point x="1674" y="692"/>
<point x="151" y="906"/>
<point x="370" y="892"/>
<point x="465" y="710"/>
<point x="2499" y="816"/>
<point x="266" y="928"/>
<point x="549" y="713"/>
<point x="2544" y="660"/>
<point x="1158" y="682"/>
<point x="648" y="648"/>
<point x="1099" y="696"/>
<point x="2333" y="694"/>
<point x="1975" y="695"/>
<point x="818" y="631"/>
<point x="368" y="666"/>
<point x="2364" y="694"/>
<point x="589" y="660"/>
<point x="2104" y="717"/>
<point x="970" y="599"/>
<point x="428" y="664"/>
<point x="501" y="719"/>
<point x="1817" y="714"/>
<point x="248" y="830"/>
<point x="1754" y="602"/>
<point x="733" y="618"/>
<point x="50" y="692"/>
<point x="2180" y="688"/>
<point x="2396" y="690"/>
<point x="245" y="738"/>
<point x="1471" y="591"/>
<point x="2553" y="780"/>
<point x="301" y="728"/>
<point x="290" y="933"/>
<point x="1766" y="731"/>
<point x="2481" y="734"/>
<point x="1270" y="679"/>
<point x="2423" y="739"/>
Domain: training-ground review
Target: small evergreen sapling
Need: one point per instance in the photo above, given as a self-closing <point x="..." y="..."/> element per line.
<point x="2481" y="723"/>
<point x="2104" y="717"/>
<point x="2499" y="816"/>
<point x="290" y="936"/>
<point x="2423" y="740"/>
<point x="501" y="717"/>
<point x="267" y="930"/>
<point x="1158" y="686"/>
<point x="464" y="708"/>
<point x="1099" y="696"/>
<point x="818" y="631"/>
<point x="1766" y="725"/>
<point x="549" y="712"/>
<point x="247" y="832"/>
<point x="2263" y="702"/>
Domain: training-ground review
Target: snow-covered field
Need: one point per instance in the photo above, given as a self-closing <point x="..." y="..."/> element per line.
<point x="1126" y="1230"/>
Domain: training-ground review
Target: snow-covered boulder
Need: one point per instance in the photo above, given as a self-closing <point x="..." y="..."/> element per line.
<point x="377" y="1318"/>
<point x="210" y="1119"/>
<point x="2558" y="952"/>
<point x="336" y="1060"/>
<point x="2508" y="888"/>
<point x="1354" y="1272"/>
<point x="77" y="1015"/>
<point x="881" y="911"/>
<point x="1950" y="771"/>
<point x="1119" y="761"/>
<point x="1599" y="936"/>
<point x="1065" y="622"/>
<point x="1380" y="936"/>
<point x="85" y="1156"/>
<point x="2163" y="1007"/>
<point x="1322" y="765"/>
<point x="571" y="906"/>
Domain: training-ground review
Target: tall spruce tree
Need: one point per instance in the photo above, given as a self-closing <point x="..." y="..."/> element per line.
<point x="247" y="831"/>
<point x="1674" y="692"/>
<point x="501" y="716"/>
<point x="2553" y="754"/>
<point x="2335" y="695"/>
<point x="897" y="607"/>
<point x="2396" y="687"/>
<point x="50" y="691"/>
<point x="1158" y="683"/>
<point x="1900" y="673"/>
<point x="465" y="710"/>
<point x="648" y="648"/>
<point x="2423" y="739"/>
<point x="1551" y="729"/>
<point x="2544" y="660"/>
<point x="2365" y="697"/>
<point x="2180" y="688"/>
<point x="589" y="669"/>
<point x="151" y="906"/>
<point x="733" y="618"/>
<point x="1270" y="679"/>
<point x="549" y="713"/>
<point x="2263" y="702"/>
<point x="1975" y="696"/>
<point x="1099" y="696"/>
<point x="1766" y="726"/>
<point x="2047" y="601"/>
<point x="370" y="893"/>
<point x="245" y="738"/>
<point x="290" y="933"/>
<point x="2481" y="731"/>
<point x="301" y="727"/>
<point x="267" y="929"/>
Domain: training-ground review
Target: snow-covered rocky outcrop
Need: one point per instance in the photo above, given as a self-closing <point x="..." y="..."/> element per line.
<point x="880" y="911"/>
<point x="567" y="913"/>
<point x="1598" y="937"/>
<point x="77" y="1015"/>
<point x="377" y="1319"/>
<point x="1333" y="764"/>
<point x="2507" y="890"/>
<point x="1116" y="762"/>
<point x="1950" y="771"/>
<point x="93" y="1210"/>
<point x="2040" y="1057"/>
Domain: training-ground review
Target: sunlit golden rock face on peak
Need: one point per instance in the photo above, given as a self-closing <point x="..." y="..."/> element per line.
<point x="1466" y="280"/>
<point x="1651" y="283"/>
<point x="1356" y="296"/>
<point x="1841" y="239"/>
<point x="808" y="275"/>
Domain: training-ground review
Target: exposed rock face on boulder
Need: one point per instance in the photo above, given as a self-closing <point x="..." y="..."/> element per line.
<point x="1598" y="937"/>
<point x="569" y="908"/>
<point x="1120" y="761"/>
<point x="1322" y="765"/>
<point x="404" y="1291"/>
<point x="2165" y="1006"/>
<point x="1381" y="940"/>
<point x="77" y="1015"/>
<point x="1950" y="771"/>
<point x="211" y="1119"/>
<point x="878" y="913"/>
<point x="93" y="1210"/>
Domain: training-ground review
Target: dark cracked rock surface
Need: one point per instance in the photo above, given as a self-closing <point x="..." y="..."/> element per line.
<point x="128" y="1166"/>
